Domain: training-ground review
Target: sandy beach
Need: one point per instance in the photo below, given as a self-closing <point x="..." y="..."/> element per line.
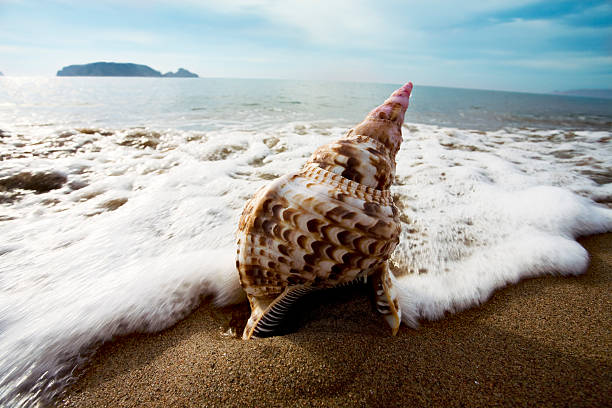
<point x="542" y="342"/>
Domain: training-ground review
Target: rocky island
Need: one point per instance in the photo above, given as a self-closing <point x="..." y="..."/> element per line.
<point x="181" y="73"/>
<point x="121" y="70"/>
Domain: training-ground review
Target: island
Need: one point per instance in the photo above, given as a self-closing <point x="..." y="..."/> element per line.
<point x="121" y="70"/>
<point x="181" y="73"/>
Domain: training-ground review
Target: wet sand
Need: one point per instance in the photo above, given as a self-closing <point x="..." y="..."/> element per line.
<point x="542" y="342"/>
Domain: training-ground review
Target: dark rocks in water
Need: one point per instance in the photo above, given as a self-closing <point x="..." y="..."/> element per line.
<point x="141" y="139"/>
<point x="41" y="182"/>
<point x="9" y="198"/>
<point x="112" y="205"/>
<point x="120" y="70"/>
<point x="181" y="73"/>
<point x="77" y="184"/>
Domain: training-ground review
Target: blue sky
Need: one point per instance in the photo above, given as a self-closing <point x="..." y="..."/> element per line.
<point x="519" y="45"/>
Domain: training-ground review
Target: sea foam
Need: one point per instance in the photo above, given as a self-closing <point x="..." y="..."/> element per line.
<point x="483" y="210"/>
<point x="142" y="229"/>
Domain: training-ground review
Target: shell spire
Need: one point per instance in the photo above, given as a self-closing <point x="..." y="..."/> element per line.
<point x="393" y="110"/>
<point x="326" y="225"/>
<point x="366" y="154"/>
<point x="397" y="103"/>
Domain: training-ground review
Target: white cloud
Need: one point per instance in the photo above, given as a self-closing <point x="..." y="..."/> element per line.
<point x="136" y="37"/>
<point x="433" y="42"/>
<point x="325" y="22"/>
<point x="353" y="24"/>
<point x="564" y="62"/>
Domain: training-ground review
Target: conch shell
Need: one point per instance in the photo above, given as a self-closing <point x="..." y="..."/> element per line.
<point x="326" y="225"/>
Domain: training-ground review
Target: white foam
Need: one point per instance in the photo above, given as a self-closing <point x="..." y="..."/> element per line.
<point x="150" y="231"/>
<point x="482" y="213"/>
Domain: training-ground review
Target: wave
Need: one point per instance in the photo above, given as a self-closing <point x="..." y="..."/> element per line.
<point x="114" y="231"/>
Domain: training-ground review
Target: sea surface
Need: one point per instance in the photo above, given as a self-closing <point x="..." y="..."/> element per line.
<point x="119" y="199"/>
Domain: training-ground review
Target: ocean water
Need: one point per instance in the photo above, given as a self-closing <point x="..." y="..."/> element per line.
<point x="119" y="199"/>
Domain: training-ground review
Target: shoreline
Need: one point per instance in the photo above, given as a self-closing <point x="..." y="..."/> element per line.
<point x="544" y="341"/>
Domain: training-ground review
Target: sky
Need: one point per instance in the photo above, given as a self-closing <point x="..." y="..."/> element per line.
<point x="516" y="45"/>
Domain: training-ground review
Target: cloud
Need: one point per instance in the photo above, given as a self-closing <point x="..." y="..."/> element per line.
<point x="568" y="11"/>
<point x="136" y="37"/>
<point x="438" y="41"/>
<point x="332" y="22"/>
<point x="352" y="24"/>
<point x="566" y="62"/>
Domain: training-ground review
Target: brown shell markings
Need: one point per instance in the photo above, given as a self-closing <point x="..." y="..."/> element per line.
<point x="326" y="225"/>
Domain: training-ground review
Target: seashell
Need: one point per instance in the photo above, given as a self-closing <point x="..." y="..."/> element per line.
<point x="326" y="225"/>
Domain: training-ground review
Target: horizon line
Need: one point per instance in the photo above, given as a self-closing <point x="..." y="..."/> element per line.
<point x="555" y="92"/>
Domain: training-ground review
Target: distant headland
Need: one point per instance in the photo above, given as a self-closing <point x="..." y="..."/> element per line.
<point x="121" y="70"/>
<point x="591" y="93"/>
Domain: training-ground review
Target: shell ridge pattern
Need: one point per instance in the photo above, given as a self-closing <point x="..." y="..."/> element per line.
<point x="367" y="193"/>
<point x="350" y="202"/>
<point x="384" y="205"/>
<point x="290" y="224"/>
<point x="365" y="138"/>
<point x="295" y="224"/>
<point x="336" y="221"/>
